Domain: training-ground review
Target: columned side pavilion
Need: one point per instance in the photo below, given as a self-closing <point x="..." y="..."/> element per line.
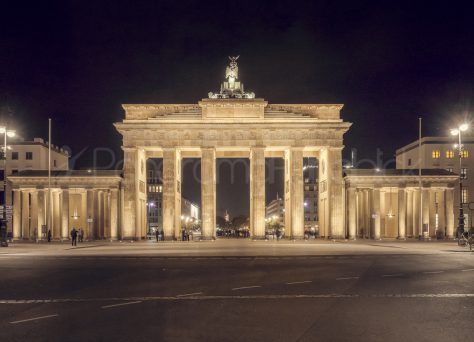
<point x="90" y="200"/>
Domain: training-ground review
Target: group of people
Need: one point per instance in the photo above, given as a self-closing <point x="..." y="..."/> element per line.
<point x="75" y="235"/>
<point x="186" y="235"/>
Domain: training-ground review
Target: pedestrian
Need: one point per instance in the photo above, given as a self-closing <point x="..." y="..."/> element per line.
<point x="74" y="237"/>
<point x="157" y="234"/>
<point x="183" y="235"/>
<point x="49" y="235"/>
<point x="190" y="236"/>
<point x="81" y="235"/>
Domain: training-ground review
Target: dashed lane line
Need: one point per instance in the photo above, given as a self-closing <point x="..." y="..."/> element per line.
<point x="120" y="304"/>
<point x="392" y="275"/>
<point x="468" y="270"/>
<point x="433" y="272"/>
<point x="346" y="278"/>
<point x="245" y="287"/>
<point x="299" y="282"/>
<point x="33" y="319"/>
<point x="189" y="294"/>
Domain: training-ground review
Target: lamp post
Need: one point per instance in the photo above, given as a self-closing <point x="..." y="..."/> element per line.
<point x="3" y="227"/>
<point x="457" y="131"/>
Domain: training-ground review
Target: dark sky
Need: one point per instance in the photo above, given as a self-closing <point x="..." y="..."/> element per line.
<point x="387" y="61"/>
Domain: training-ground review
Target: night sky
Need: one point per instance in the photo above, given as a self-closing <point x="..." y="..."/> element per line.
<point x="388" y="62"/>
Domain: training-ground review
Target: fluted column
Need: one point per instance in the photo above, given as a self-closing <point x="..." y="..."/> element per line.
<point x="16" y="214"/>
<point x="114" y="214"/>
<point x="376" y="211"/>
<point x="351" y="198"/>
<point x="257" y="192"/>
<point x="65" y="215"/>
<point x="208" y="192"/>
<point x="57" y="232"/>
<point x="409" y="213"/>
<point x="25" y="214"/>
<point x="89" y="233"/>
<point x="441" y="212"/>
<point x="450" y="213"/>
<point x="34" y="213"/>
<point x="426" y="209"/>
<point x="401" y="214"/>
<point x="172" y="193"/>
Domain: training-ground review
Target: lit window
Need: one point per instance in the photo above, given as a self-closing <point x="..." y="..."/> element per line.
<point x="464" y="173"/>
<point x="449" y="169"/>
<point x="465" y="197"/>
<point x="449" y="154"/>
<point x="306" y="187"/>
<point x="435" y="154"/>
<point x="464" y="153"/>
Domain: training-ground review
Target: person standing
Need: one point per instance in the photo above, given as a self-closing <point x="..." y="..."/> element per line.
<point x="81" y="235"/>
<point x="157" y="234"/>
<point x="49" y="235"/>
<point x="74" y="237"/>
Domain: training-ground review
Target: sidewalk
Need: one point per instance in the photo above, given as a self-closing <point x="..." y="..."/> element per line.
<point x="231" y="247"/>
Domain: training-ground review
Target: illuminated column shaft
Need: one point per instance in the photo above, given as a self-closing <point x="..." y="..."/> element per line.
<point x="25" y="215"/>
<point x="34" y="212"/>
<point x="426" y="208"/>
<point x="450" y="213"/>
<point x="257" y="189"/>
<point x="65" y="214"/>
<point x="208" y="192"/>
<point x="401" y="214"/>
<point x="114" y="214"/>
<point x="376" y="212"/>
<point x="409" y="213"/>
<point x="16" y="214"/>
<point x="351" y="194"/>
<point x="171" y="193"/>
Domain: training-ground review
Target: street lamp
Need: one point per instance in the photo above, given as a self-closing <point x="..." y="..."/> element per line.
<point x="3" y="226"/>
<point x="457" y="131"/>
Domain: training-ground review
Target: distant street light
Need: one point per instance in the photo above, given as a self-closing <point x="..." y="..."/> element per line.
<point x="457" y="131"/>
<point x="3" y="225"/>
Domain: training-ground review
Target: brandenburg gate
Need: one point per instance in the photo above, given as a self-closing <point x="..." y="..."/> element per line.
<point x="233" y="124"/>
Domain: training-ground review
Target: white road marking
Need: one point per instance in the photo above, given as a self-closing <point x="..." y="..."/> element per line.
<point x="468" y="270"/>
<point x="299" y="282"/>
<point x="392" y="275"/>
<point x="245" y="287"/>
<point x="250" y="297"/>
<point x="433" y="272"/>
<point x="189" y="294"/>
<point x="33" y="319"/>
<point x="347" y="278"/>
<point x="120" y="304"/>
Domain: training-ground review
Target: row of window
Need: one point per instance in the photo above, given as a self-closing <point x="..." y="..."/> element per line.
<point x="155" y="188"/>
<point x="463" y="171"/>
<point x="436" y="154"/>
<point x="28" y="155"/>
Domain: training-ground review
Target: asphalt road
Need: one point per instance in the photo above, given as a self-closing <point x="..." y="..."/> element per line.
<point x="387" y="293"/>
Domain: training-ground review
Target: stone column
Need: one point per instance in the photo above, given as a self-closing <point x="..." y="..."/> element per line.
<point x="409" y="213"/>
<point x="65" y="214"/>
<point x="426" y="209"/>
<point x="114" y="214"/>
<point x="134" y="190"/>
<point x="450" y="213"/>
<point x="441" y="212"/>
<point x="416" y="213"/>
<point x="287" y="197"/>
<point x="401" y="214"/>
<point x="257" y="192"/>
<point x="351" y="199"/>
<point x="17" y="215"/>
<point x="376" y="212"/>
<point x="89" y="233"/>
<point x="383" y="213"/>
<point x="101" y="214"/>
<point x="25" y="214"/>
<point x="57" y="217"/>
<point x="172" y="193"/>
<point x="330" y="174"/>
<point x="208" y="193"/>
<point x="34" y="212"/>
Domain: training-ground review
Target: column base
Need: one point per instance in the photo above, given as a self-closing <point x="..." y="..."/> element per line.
<point x="259" y="238"/>
<point x="208" y="238"/>
<point x="402" y="238"/>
